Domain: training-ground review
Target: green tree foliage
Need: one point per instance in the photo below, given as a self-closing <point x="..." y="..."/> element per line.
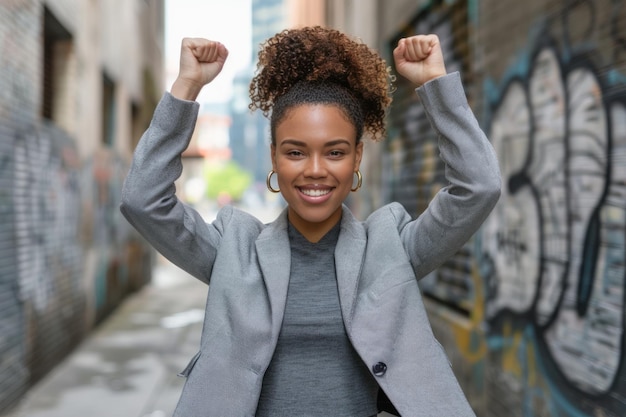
<point x="228" y="179"/>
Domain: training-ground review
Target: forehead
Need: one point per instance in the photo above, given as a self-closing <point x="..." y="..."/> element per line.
<point x="316" y="120"/>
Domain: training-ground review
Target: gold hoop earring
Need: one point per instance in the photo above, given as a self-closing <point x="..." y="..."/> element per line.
<point x="269" y="183"/>
<point x="359" y="180"/>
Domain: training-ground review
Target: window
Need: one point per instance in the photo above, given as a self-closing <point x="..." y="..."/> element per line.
<point x="108" y="110"/>
<point x="57" y="68"/>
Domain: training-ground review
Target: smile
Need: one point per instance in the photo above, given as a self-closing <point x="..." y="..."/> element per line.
<point x="314" y="193"/>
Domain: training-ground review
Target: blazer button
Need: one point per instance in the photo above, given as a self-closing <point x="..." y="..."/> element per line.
<point x="379" y="369"/>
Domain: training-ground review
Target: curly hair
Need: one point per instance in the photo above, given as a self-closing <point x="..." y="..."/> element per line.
<point x="325" y="66"/>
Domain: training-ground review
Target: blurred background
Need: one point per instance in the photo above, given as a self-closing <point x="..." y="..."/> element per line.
<point x="531" y="311"/>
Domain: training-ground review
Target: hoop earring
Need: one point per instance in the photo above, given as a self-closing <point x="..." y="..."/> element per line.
<point x="269" y="184"/>
<point x="359" y="180"/>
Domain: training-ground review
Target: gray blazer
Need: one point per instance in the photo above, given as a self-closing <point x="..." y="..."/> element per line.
<point x="378" y="264"/>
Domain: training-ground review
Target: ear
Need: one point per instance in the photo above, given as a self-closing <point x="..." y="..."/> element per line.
<point x="273" y="156"/>
<point x="359" y="155"/>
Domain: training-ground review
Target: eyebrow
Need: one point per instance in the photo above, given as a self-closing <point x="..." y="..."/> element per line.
<point x="335" y="142"/>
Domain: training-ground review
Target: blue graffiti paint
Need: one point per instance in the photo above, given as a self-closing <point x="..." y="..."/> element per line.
<point x="588" y="270"/>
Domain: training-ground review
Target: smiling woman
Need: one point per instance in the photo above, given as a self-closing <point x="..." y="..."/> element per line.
<point x="315" y="158"/>
<point x="316" y="313"/>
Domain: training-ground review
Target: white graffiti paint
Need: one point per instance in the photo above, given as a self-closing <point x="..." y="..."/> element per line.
<point x="30" y="170"/>
<point x="47" y="219"/>
<point x="547" y="175"/>
<point x="556" y="239"/>
<point x="511" y="232"/>
<point x="578" y="344"/>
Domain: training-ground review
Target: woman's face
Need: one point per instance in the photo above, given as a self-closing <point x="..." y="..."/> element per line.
<point x="315" y="156"/>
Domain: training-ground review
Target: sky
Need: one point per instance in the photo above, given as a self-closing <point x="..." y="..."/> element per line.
<point x="226" y="21"/>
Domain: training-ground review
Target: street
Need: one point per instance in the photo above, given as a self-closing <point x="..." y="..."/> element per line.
<point x="128" y="365"/>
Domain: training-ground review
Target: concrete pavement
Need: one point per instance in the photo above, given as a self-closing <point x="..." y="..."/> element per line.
<point x="128" y="365"/>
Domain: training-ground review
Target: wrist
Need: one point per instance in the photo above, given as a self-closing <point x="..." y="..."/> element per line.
<point x="185" y="89"/>
<point x="434" y="76"/>
<point x="418" y="82"/>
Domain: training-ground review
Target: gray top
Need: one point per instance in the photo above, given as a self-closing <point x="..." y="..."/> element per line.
<point x="315" y="371"/>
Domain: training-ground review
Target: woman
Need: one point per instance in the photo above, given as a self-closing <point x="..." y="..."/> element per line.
<point x="316" y="313"/>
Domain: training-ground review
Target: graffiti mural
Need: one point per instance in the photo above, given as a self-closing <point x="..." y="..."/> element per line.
<point x="46" y="210"/>
<point x="109" y="235"/>
<point x="412" y="157"/>
<point x="532" y="312"/>
<point x="555" y="244"/>
<point x="59" y="214"/>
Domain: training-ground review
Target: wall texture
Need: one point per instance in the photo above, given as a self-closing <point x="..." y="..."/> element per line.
<point x="532" y="310"/>
<point x="66" y="256"/>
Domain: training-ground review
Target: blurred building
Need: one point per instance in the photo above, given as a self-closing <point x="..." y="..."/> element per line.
<point x="532" y="310"/>
<point x="249" y="133"/>
<point x="79" y="81"/>
<point x="305" y="12"/>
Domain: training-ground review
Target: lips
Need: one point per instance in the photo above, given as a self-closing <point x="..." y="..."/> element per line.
<point x="314" y="193"/>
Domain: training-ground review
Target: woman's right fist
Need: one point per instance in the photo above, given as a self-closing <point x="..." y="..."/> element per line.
<point x="201" y="60"/>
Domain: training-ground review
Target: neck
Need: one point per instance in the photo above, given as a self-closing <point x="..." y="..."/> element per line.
<point x="313" y="231"/>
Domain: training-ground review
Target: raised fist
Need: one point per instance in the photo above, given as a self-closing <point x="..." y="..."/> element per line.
<point x="419" y="58"/>
<point x="201" y="60"/>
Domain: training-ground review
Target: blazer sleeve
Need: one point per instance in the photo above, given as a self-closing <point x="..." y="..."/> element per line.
<point x="149" y="201"/>
<point x="471" y="168"/>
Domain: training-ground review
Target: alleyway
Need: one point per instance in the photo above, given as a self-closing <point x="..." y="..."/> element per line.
<point x="128" y="366"/>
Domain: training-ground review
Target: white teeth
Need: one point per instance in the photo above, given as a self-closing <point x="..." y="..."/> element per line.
<point x="315" y="193"/>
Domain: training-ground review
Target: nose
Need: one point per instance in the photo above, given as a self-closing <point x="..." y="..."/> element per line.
<point x="315" y="167"/>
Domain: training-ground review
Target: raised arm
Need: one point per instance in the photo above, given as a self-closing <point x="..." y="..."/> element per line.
<point x="472" y="169"/>
<point x="149" y="201"/>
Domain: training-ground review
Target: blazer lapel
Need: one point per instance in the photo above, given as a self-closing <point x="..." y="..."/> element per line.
<point x="348" y="262"/>
<point x="274" y="255"/>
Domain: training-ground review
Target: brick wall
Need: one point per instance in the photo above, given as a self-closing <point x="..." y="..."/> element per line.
<point x="18" y="104"/>
<point x="67" y="258"/>
<point x="532" y="310"/>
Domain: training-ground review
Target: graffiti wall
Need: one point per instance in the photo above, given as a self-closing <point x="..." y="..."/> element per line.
<point x="532" y="311"/>
<point x="67" y="257"/>
<point x="556" y="242"/>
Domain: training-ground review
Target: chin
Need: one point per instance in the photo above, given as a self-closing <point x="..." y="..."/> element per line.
<point x="316" y="216"/>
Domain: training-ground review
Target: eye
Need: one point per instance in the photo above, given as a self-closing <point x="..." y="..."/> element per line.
<point x="295" y="153"/>
<point x="336" y="153"/>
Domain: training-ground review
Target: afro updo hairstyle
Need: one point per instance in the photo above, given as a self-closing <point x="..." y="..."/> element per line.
<point x="316" y="65"/>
